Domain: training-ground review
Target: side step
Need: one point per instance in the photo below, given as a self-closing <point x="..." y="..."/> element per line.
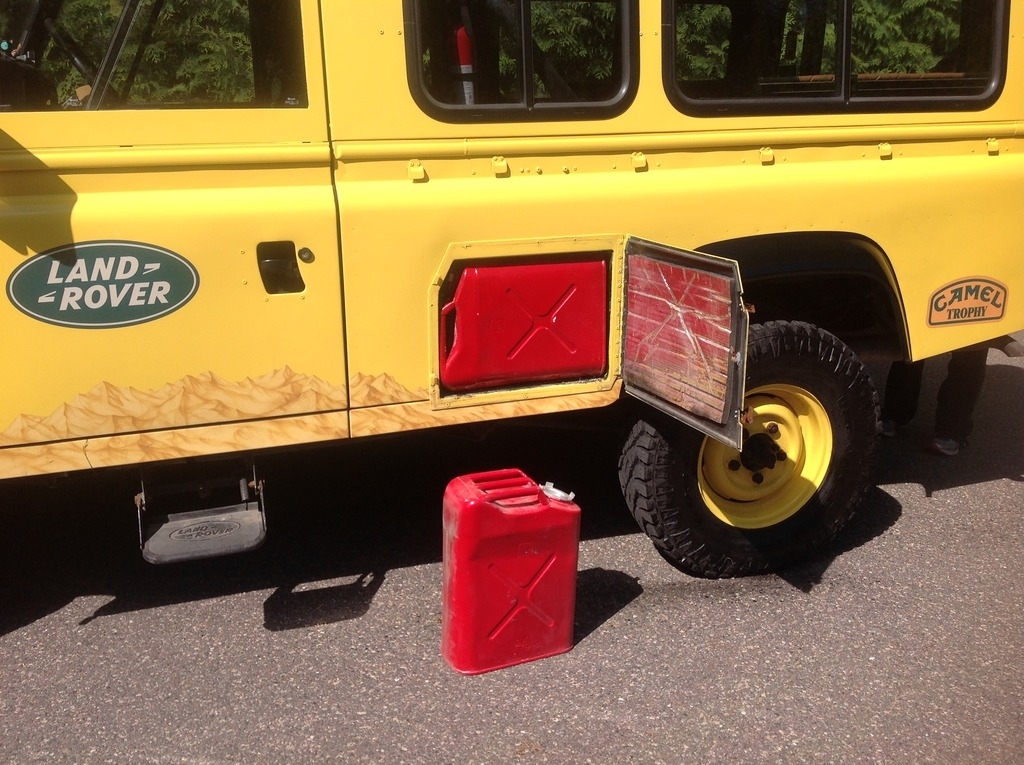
<point x="201" y="517"/>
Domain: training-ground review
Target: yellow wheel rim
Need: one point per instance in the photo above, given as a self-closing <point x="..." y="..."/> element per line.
<point x="786" y="454"/>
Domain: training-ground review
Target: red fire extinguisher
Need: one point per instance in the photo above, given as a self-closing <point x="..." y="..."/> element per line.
<point x="464" y="52"/>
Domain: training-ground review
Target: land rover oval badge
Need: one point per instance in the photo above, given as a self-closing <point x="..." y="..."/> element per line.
<point x="102" y="284"/>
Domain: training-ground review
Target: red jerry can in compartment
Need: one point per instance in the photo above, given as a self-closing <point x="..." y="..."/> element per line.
<point x="510" y="554"/>
<point x="514" y="324"/>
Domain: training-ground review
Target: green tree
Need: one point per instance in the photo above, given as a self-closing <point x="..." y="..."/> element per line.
<point x="195" y="51"/>
<point x="580" y="36"/>
<point x="198" y="51"/>
<point x="904" y="35"/>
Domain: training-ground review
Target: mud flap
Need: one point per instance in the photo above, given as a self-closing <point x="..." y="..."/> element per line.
<point x="684" y="338"/>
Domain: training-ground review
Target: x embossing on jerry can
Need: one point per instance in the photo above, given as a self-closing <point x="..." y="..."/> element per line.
<point x="510" y="555"/>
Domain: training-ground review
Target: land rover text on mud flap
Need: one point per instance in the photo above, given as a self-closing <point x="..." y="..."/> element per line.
<point x="431" y="212"/>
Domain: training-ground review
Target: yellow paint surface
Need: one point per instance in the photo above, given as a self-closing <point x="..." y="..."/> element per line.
<point x="359" y="343"/>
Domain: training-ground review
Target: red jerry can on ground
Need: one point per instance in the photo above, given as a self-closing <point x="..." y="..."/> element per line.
<point x="510" y="554"/>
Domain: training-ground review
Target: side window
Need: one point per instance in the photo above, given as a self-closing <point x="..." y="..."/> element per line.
<point x="133" y="54"/>
<point x="772" y="56"/>
<point x="943" y="47"/>
<point x="772" y="49"/>
<point x="522" y="59"/>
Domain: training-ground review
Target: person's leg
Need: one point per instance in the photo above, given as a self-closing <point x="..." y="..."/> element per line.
<point x="902" y="391"/>
<point x="959" y="392"/>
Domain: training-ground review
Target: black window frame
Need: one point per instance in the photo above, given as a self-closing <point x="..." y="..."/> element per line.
<point x="525" y="112"/>
<point x="845" y="101"/>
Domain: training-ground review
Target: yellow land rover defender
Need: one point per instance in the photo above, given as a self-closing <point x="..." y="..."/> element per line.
<point x="229" y="226"/>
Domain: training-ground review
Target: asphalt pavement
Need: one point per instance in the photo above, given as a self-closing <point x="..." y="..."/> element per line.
<point x="901" y="643"/>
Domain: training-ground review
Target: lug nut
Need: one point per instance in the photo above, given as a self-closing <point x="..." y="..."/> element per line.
<point x="734" y="465"/>
<point x="757" y="478"/>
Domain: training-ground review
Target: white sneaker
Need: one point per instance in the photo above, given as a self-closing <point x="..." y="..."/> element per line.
<point x="947" y="447"/>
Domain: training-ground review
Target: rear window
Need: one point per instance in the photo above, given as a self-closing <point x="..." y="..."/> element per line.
<point x="765" y="56"/>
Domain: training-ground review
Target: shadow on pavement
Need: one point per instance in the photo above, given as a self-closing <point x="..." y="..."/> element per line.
<point x="346" y="514"/>
<point x="600" y="594"/>
<point x="995" y="450"/>
<point x="295" y="606"/>
<point x="339" y="518"/>
<point x="876" y="515"/>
